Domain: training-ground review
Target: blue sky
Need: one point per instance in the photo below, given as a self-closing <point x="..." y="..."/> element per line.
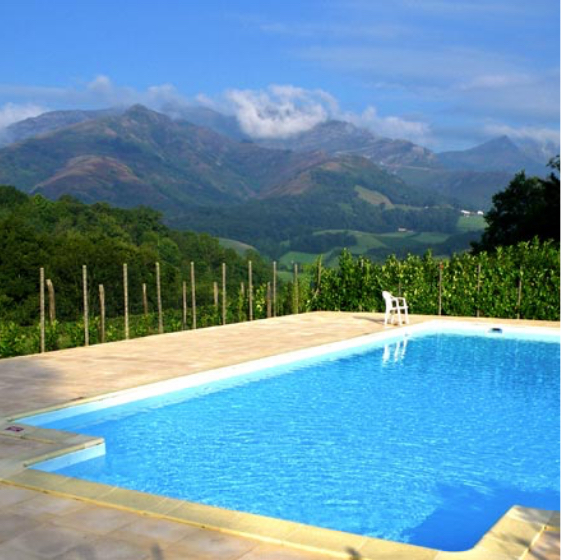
<point x="444" y="73"/>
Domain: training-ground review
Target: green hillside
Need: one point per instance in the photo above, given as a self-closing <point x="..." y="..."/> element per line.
<point x="64" y="235"/>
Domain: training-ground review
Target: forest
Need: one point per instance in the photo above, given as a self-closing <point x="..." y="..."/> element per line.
<point x="512" y="273"/>
<point x="62" y="236"/>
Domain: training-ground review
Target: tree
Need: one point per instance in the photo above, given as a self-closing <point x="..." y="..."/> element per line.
<point x="527" y="208"/>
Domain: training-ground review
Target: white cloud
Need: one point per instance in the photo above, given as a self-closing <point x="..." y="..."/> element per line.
<point x="11" y="113"/>
<point x="542" y="136"/>
<point x="279" y="111"/>
<point x="282" y="111"/>
<point x="495" y="81"/>
<point x="99" y="92"/>
<point x="391" y="126"/>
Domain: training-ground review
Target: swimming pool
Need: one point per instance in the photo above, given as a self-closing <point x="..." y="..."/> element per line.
<point x="426" y="439"/>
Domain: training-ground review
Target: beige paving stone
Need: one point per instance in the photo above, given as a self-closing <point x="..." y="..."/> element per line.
<point x="546" y="547"/>
<point x="268" y="552"/>
<point x="95" y="519"/>
<point x="130" y="499"/>
<point x="530" y="515"/>
<point x="317" y="538"/>
<point x="554" y="520"/>
<point x="206" y="516"/>
<point x="212" y="544"/>
<point x="473" y="554"/>
<point x="113" y="549"/>
<point x="12" y="525"/>
<point x="84" y="488"/>
<point x="389" y="550"/>
<point x="44" y="503"/>
<point x="48" y="541"/>
<point x="10" y="495"/>
<point x="510" y="537"/>
<point x="161" y="530"/>
<point x="8" y="552"/>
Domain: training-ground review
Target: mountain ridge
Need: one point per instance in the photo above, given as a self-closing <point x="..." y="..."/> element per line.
<point x="141" y="156"/>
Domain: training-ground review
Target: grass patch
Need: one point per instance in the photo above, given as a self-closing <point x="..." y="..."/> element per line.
<point x="237" y="246"/>
<point x="288" y="259"/>
<point x="471" y="223"/>
<point x="373" y="197"/>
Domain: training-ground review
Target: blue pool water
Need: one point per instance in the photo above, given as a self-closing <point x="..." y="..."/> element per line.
<point x="426" y="440"/>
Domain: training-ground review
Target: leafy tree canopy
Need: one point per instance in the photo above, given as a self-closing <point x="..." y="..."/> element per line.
<point x="527" y="208"/>
<point x="62" y="236"/>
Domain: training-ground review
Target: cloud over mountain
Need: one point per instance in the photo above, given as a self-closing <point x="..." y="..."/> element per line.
<point x="282" y="111"/>
<point x="12" y="112"/>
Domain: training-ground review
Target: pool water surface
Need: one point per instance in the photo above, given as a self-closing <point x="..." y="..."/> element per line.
<point x="427" y="439"/>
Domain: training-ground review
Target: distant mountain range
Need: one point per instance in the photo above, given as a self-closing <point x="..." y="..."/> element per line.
<point x="204" y="173"/>
<point x="470" y="176"/>
<point x="143" y="157"/>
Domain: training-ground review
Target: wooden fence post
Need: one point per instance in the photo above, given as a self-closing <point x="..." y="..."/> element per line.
<point x="518" y="303"/>
<point x="86" y="309"/>
<point x="478" y="288"/>
<point x="101" y="313"/>
<point x="126" y="299"/>
<point x="193" y="295"/>
<point x="440" y="288"/>
<point x="215" y="295"/>
<point x="52" y="308"/>
<point x="42" y="308"/>
<point x="159" y="298"/>
<point x="224" y="302"/>
<point x="269" y="300"/>
<point x="144" y="300"/>
<point x="274" y="288"/>
<point x="250" y="290"/>
<point x="295" y="302"/>
<point x="184" y="301"/>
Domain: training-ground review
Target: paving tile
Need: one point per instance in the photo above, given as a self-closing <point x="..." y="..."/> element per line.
<point x="205" y="544"/>
<point x="473" y="554"/>
<point x="12" y="525"/>
<point x="318" y="538"/>
<point x="48" y="541"/>
<point x="95" y="519"/>
<point x="268" y="552"/>
<point x="112" y="549"/>
<point x="547" y="547"/>
<point x="10" y="495"/>
<point x="161" y="530"/>
<point x="8" y="552"/>
<point x="46" y="503"/>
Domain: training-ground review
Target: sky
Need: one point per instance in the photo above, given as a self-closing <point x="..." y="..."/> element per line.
<point x="447" y="74"/>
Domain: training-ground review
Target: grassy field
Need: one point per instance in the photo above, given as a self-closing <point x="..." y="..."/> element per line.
<point x="384" y="243"/>
<point x="390" y="242"/>
<point x="471" y="223"/>
<point x="238" y="246"/>
<point x="288" y="259"/>
<point x="373" y="197"/>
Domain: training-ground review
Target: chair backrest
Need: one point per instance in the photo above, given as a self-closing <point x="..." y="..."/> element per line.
<point x="388" y="299"/>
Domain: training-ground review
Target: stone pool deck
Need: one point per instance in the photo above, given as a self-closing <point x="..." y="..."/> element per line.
<point x="43" y="516"/>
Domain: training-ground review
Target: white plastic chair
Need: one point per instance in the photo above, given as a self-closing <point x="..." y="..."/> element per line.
<point x="394" y="307"/>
